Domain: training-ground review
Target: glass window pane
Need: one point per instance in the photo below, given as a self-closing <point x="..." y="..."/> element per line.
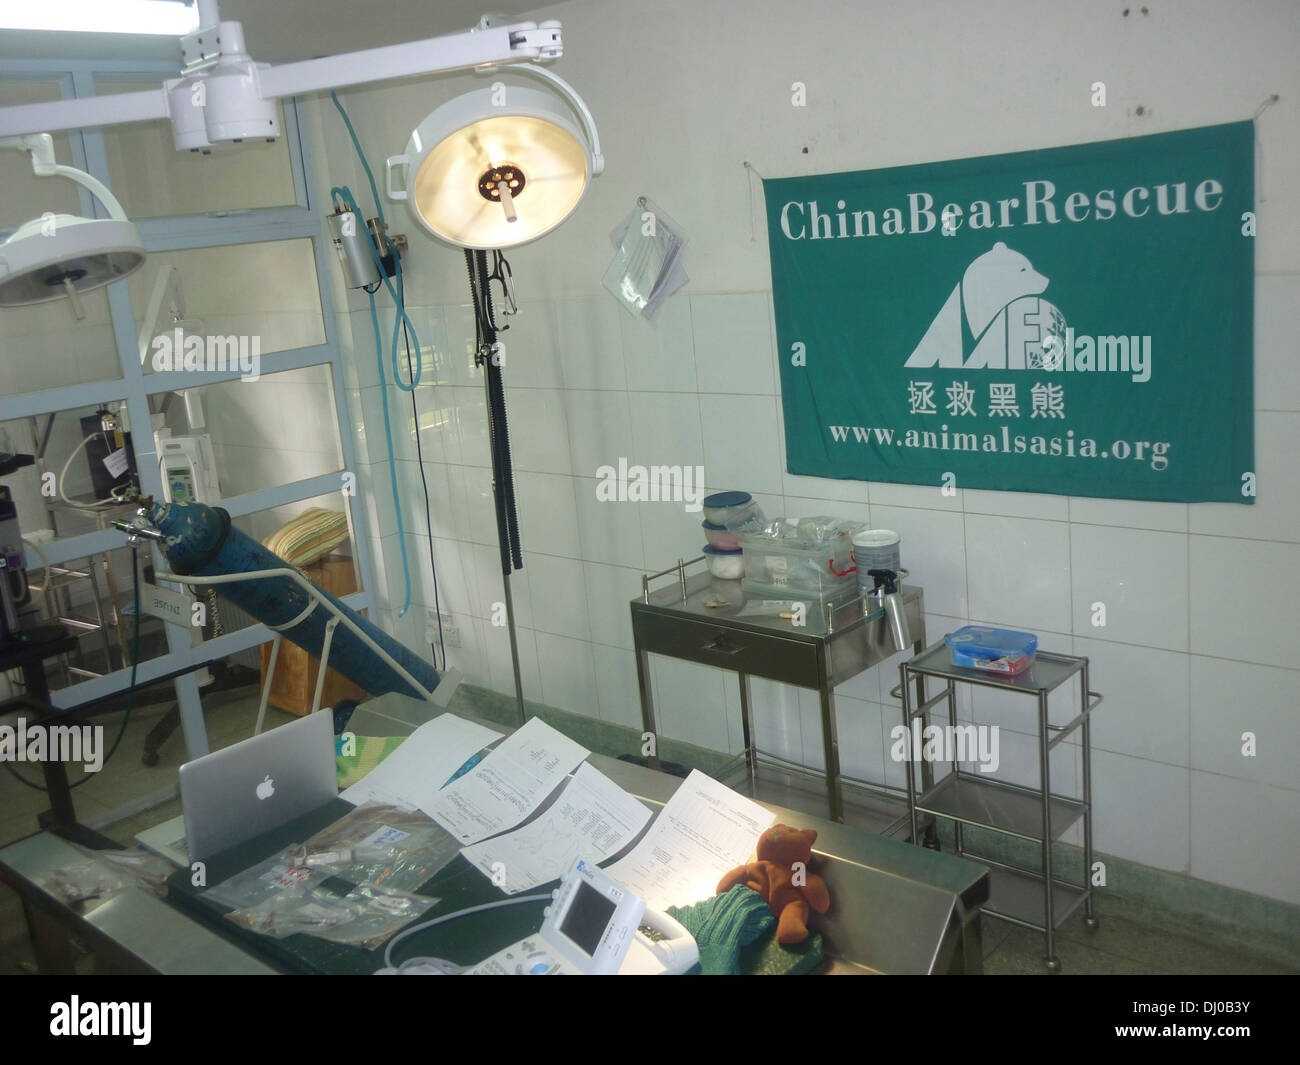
<point x="262" y="524"/>
<point x="45" y="346"/>
<point x="263" y="295"/>
<point x="27" y="196"/>
<point x="92" y="598"/>
<point x="334" y="571"/>
<point x="78" y="471"/>
<point x="153" y="179"/>
<point x="278" y="429"/>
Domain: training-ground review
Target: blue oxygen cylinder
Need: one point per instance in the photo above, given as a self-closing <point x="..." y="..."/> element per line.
<point x="200" y="540"/>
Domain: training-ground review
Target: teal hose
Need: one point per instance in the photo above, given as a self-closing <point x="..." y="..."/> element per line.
<point x="374" y="190"/>
<point x="344" y="193"/>
<point x="398" y="295"/>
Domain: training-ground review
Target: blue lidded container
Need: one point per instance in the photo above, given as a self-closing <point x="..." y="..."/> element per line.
<point x="724" y="508"/>
<point x="994" y="650"/>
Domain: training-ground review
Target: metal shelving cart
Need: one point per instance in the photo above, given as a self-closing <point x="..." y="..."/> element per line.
<point x="1036" y="900"/>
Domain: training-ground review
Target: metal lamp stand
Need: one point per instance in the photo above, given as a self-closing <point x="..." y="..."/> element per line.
<point x="503" y="484"/>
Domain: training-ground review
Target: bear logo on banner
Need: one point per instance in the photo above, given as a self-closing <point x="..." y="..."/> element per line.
<point x="1005" y="320"/>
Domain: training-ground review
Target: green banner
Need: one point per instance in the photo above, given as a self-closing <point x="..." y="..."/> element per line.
<point x="1076" y="320"/>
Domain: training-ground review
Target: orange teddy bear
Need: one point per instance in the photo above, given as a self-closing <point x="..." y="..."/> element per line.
<point x="781" y="876"/>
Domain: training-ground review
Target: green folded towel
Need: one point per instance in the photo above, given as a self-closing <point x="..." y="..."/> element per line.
<point x="723" y="925"/>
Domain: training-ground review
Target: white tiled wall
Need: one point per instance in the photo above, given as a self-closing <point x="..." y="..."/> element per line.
<point x="1201" y="601"/>
<point x="1196" y="649"/>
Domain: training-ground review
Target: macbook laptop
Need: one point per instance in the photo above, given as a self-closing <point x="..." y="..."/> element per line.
<point x="252" y="786"/>
<point x="166" y="839"/>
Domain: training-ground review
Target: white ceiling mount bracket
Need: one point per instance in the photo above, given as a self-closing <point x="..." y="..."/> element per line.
<point x="546" y="38"/>
<point x="200" y="49"/>
<point x="202" y="46"/>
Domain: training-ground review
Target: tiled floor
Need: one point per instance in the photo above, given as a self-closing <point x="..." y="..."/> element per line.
<point x="1121" y="945"/>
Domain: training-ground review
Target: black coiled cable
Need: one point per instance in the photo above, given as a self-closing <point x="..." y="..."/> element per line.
<point x="498" y="434"/>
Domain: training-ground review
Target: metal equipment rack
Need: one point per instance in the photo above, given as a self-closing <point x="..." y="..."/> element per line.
<point x="1032" y="899"/>
<point x="835" y="642"/>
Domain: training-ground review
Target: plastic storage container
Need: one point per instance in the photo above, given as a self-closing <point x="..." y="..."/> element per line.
<point x="729" y="565"/>
<point x="877" y="549"/>
<point x="809" y="559"/>
<point x="992" y="650"/>
<point x="726" y="508"/>
<point x="720" y="537"/>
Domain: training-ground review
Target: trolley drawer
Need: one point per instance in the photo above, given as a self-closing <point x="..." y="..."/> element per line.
<point x="773" y="657"/>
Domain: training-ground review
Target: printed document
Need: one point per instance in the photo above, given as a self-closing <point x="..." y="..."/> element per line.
<point x="703" y="832"/>
<point x="508" y="785"/>
<point x="425" y="761"/>
<point x="592" y="818"/>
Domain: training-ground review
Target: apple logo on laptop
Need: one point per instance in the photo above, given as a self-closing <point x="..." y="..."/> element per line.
<point x="266" y="789"/>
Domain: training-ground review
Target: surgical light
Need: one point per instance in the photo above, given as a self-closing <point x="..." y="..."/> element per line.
<point x="489" y="170"/>
<point x="499" y="166"/>
<point x="60" y="255"/>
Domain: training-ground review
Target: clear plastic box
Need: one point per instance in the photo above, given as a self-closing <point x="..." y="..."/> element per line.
<point x="778" y="567"/>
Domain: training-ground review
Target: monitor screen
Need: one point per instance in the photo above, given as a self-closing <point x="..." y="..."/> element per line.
<point x="587" y="918"/>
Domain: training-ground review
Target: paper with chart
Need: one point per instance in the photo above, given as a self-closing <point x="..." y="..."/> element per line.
<point x="591" y="818"/>
<point x="425" y="761"/>
<point x="508" y="785"/>
<point x="704" y="832"/>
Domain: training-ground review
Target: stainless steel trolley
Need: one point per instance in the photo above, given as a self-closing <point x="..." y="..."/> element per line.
<point x="684" y="620"/>
<point x="1022" y="896"/>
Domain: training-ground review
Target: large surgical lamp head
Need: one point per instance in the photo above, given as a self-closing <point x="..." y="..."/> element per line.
<point x="60" y="255"/>
<point x="500" y="166"/>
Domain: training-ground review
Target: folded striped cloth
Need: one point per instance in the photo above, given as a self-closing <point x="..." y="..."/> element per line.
<point x="311" y="535"/>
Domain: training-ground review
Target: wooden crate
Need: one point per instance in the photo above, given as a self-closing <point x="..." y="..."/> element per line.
<point x="294" y="685"/>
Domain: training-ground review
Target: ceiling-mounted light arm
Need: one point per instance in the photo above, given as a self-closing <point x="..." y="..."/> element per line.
<point x="579" y="106"/>
<point x="438" y="55"/>
<point x="41" y="148"/>
<point x="248" y="87"/>
<point x="56" y="116"/>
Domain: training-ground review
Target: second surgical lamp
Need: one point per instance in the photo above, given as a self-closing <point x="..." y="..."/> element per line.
<point x="60" y="255"/>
